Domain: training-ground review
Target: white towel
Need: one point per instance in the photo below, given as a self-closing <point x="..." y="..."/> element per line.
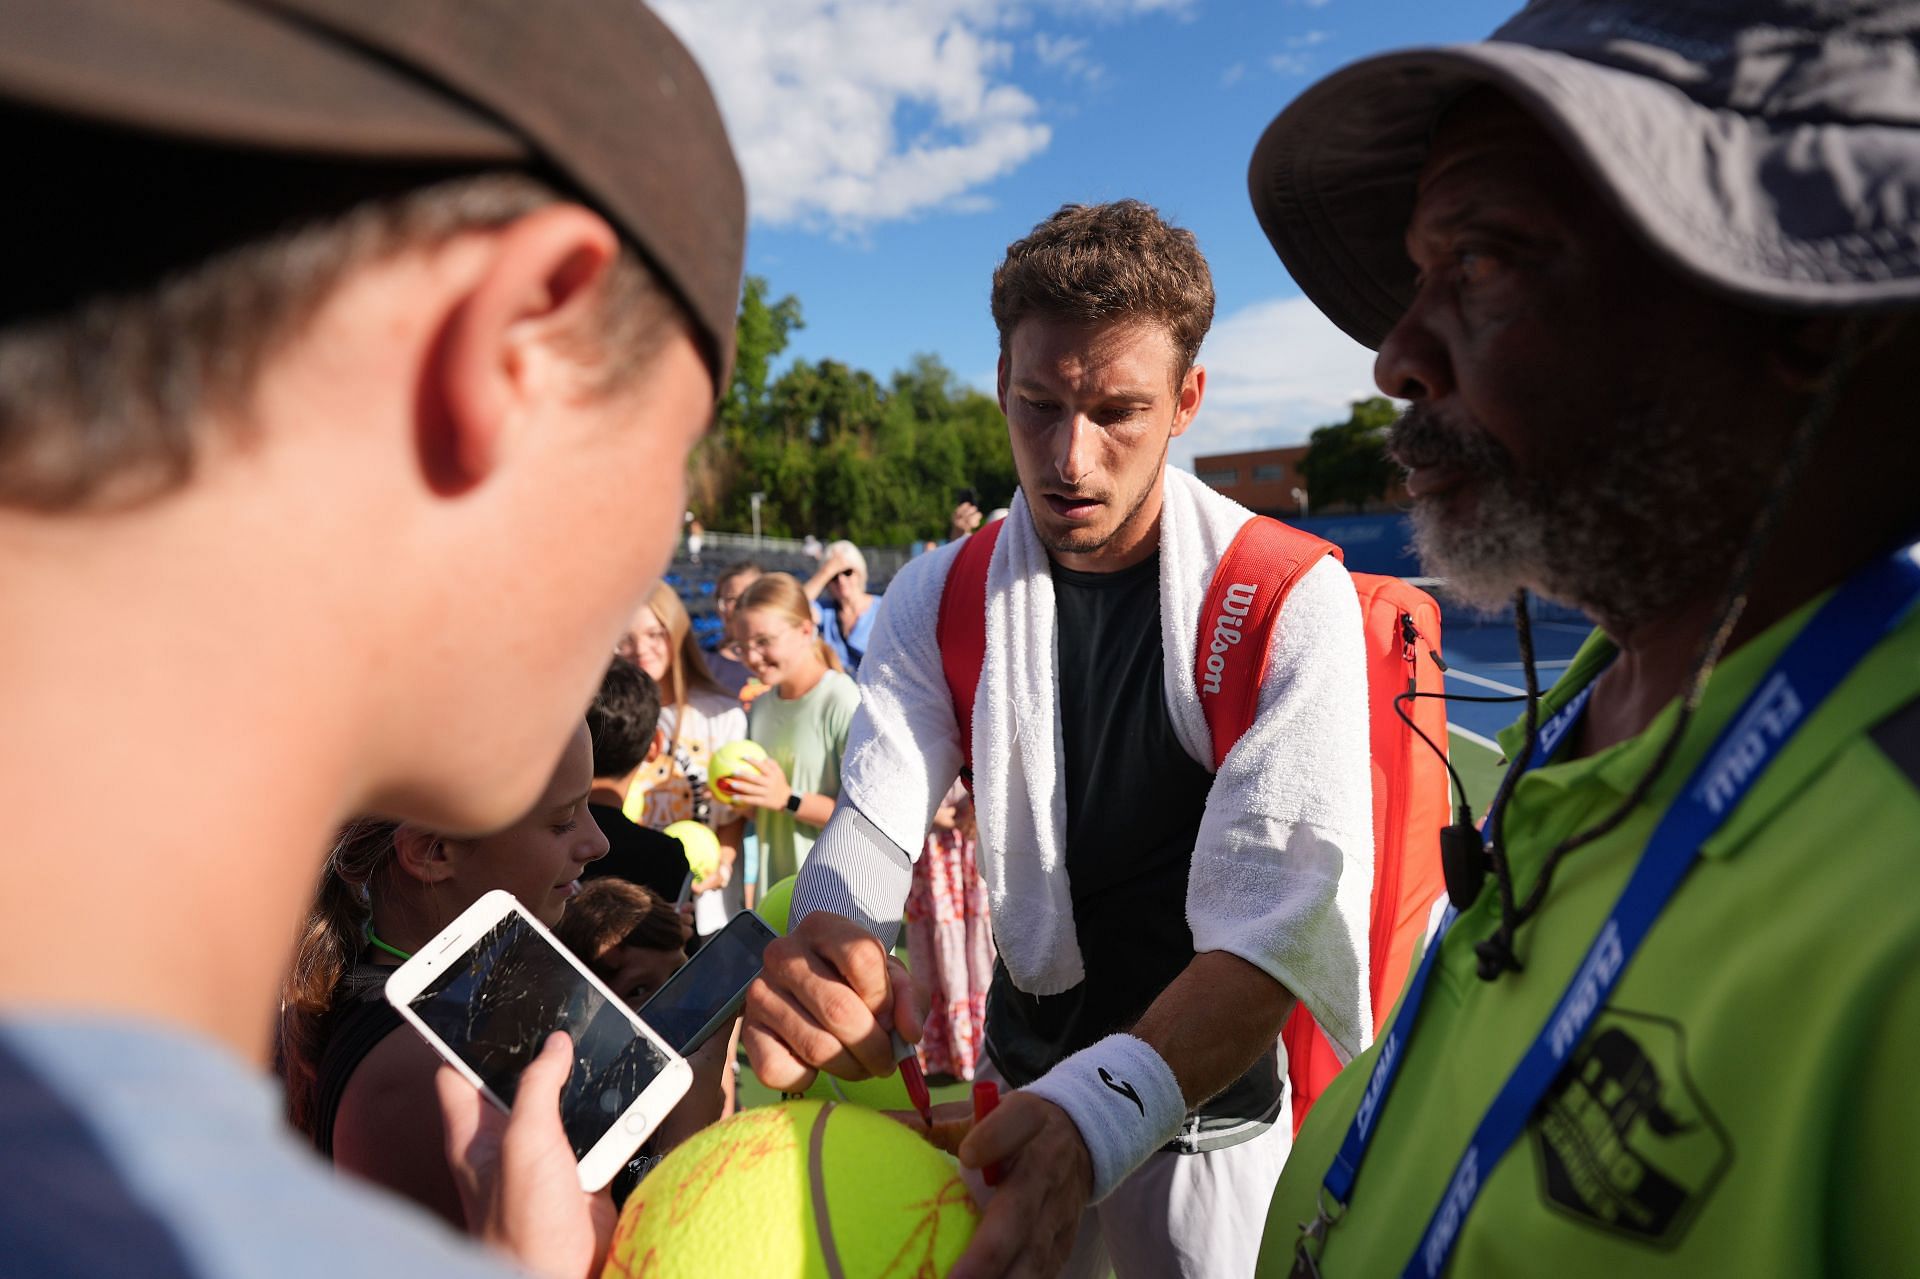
<point x="1283" y="865"/>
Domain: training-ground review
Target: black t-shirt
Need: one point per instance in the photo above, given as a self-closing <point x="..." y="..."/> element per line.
<point x="638" y="854"/>
<point x="1134" y="803"/>
<point x="360" y="1017"/>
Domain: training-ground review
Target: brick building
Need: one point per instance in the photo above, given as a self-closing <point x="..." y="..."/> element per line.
<point x="1265" y="480"/>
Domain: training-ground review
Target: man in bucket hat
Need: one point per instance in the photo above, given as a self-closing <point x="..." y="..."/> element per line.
<point x="1647" y="277"/>
<point x="350" y="355"/>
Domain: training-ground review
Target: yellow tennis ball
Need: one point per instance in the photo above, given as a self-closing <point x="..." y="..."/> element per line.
<point x="802" y="1190"/>
<point x="726" y="761"/>
<point x="701" y="845"/>
<point x="777" y="905"/>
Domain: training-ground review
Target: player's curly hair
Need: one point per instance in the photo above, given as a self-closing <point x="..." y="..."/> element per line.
<point x="1097" y="263"/>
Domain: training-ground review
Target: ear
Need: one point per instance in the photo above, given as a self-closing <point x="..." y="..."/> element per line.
<point x="422" y="854"/>
<point x="1193" y="389"/>
<point x="656" y="746"/>
<point x="504" y="348"/>
<point x="1001" y="374"/>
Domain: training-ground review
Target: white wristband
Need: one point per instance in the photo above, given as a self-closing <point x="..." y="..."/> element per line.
<point x="1123" y="1098"/>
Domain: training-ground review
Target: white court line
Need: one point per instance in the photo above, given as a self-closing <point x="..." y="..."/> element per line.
<point x="1454" y="672"/>
<point x="1514" y="666"/>
<point x="1486" y="743"/>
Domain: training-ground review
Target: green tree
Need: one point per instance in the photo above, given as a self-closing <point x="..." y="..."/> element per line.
<point x="760" y="335"/>
<point x="838" y="453"/>
<point x="1347" y="463"/>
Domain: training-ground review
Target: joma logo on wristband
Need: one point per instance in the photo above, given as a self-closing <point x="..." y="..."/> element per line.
<point x="1125" y="1089"/>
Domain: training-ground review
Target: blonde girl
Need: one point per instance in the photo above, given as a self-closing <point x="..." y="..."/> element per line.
<point x="802" y="721"/>
<point x="697" y="717"/>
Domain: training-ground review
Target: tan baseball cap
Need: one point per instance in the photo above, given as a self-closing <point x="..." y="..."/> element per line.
<point x="599" y="92"/>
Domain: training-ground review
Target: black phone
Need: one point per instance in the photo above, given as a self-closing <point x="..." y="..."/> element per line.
<point x="710" y="987"/>
<point x="969" y="495"/>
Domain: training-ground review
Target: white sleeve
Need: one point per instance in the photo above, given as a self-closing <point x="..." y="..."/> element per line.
<point x="855" y="871"/>
<point x="1283" y="867"/>
<point x="903" y="749"/>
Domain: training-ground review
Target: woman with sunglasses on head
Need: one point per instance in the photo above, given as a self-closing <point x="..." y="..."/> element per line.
<point x="802" y="721"/>
<point x="841" y="605"/>
<point x="697" y="717"/>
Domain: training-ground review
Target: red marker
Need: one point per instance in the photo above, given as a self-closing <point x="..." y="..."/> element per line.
<point x="915" y="1081"/>
<point x="986" y="1095"/>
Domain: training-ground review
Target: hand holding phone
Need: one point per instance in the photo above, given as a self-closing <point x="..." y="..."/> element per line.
<point x="514" y="1172"/>
<point x="489" y="991"/>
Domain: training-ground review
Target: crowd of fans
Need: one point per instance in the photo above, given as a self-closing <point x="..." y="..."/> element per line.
<point x="331" y="406"/>
<point x="593" y="861"/>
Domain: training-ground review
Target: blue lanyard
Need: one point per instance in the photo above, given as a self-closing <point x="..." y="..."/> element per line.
<point x="1843" y="631"/>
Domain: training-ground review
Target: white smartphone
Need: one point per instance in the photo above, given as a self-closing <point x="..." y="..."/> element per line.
<point x="709" y="988"/>
<point x="494" y="984"/>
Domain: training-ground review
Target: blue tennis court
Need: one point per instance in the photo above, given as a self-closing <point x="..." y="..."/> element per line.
<point x="1483" y="659"/>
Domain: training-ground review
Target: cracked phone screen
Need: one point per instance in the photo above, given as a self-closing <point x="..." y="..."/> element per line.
<point x="496" y="1006"/>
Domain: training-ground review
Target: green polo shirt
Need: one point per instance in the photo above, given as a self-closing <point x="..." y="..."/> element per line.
<point x="1748" y="1103"/>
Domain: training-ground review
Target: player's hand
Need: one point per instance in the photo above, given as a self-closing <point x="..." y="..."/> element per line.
<point x="1046" y="1179"/>
<point x="519" y="1185"/>
<point x="759" y="783"/>
<point x="827" y="998"/>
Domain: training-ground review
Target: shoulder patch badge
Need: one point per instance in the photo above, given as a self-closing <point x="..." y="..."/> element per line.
<point x="1623" y="1140"/>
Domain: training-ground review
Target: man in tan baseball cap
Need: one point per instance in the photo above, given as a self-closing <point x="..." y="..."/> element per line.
<point x="1647" y="276"/>
<point x="350" y="355"/>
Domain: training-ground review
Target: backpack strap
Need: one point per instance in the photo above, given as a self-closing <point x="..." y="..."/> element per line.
<point x="1262" y="564"/>
<point x="961" y="630"/>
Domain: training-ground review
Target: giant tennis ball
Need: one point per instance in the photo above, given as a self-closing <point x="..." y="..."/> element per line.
<point x="777" y="905"/>
<point x="701" y="845"/>
<point x="726" y="761"/>
<point x="802" y="1190"/>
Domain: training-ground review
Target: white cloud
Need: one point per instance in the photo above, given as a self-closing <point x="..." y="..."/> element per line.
<point x="1124" y="8"/>
<point x="1295" y="60"/>
<point x="847" y="113"/>
<point x="1275" y="370"/>
<point x="1233" y="75"/>
<point x="1067" y="54"/>
<point x="1057" y="51"/>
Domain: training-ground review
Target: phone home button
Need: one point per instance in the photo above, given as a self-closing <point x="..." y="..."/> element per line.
<point x="636" y="1121"/>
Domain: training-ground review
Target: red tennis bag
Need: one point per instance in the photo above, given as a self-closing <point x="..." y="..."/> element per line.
<point x="1398" y="622"/>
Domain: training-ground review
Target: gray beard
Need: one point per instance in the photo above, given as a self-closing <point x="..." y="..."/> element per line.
<point x="1624" y="528"/>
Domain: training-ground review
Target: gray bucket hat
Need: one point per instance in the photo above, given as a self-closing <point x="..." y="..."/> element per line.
<point x="1768" y="149"/>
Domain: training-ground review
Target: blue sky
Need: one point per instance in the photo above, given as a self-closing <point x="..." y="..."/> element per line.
<point x="893" y="148"/>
